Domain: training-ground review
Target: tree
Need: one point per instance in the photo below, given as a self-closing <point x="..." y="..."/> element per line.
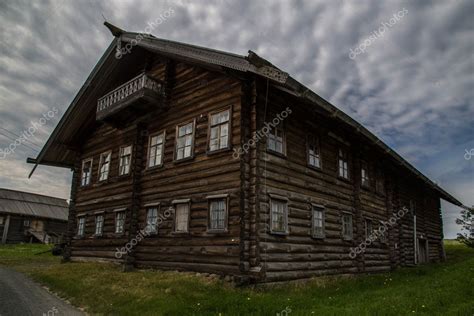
<point x="467" y="231"/>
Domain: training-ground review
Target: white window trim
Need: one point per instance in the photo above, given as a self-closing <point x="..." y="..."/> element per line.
<point x="193" y="135"/>
<point x="120" y="160"/>
<point x="229" y="129"/>
<point x="101" y="161"/>
<point x="163" y="132"/>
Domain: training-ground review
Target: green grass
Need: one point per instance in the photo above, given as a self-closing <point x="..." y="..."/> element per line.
<point x="436" y="289"/>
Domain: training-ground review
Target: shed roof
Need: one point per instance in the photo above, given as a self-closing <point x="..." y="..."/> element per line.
<point x="33" y="205"/>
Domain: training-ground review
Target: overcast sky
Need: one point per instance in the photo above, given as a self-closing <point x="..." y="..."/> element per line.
<point x="411" y="82"/>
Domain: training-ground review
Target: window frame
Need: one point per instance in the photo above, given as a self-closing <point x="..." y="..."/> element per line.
<point x="345" y="154"/>
<point x="120" y="160"/>
<point x="281" y="126"/>
<point x="274" y="198"/>
<point x="346" y="237"/>
<point x="163" y="144"/>
<point x="322" y="209"/>
<point x="229" y="131"/>
<point x="364" y="166"/>
<point x="379" y="181"/>
<point x="79" y="218"/>
<point x="117" y="212"/>
<point x="157" y="207"/>
<point x="193" y="135"/>
<point x="84" y="161"/>
<point x="101" y="233"/>
<point x="109" y="152"/>
<point x="175" y="221"/>
<point x="313" y="140"/>
<point x="211" y="199"/>
<point x="368" y="223"/>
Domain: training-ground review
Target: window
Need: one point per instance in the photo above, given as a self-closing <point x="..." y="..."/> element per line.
<point x="318" y="221"/>
<point x="182" y="217"/>
<point x="104" y="165"/>
<point x="314" y="152"/>
<point x="364" y="174"/>
<point x="184" y="141"/>
<point x="26" y="223"/>
<point x="99" y="224"/>
<point x="383" y="236"/>
<point x="275" y="140"/>
<point x="81" y="225"/>
<point x="279" y="216"/>
<point x="347" y="226"/>
<point x="343" y="164"/>
<point x="368" y="228"/>
<point x="379" y="183"/>
<point x="218" y="214"/>
<point x="119" y="222"/>
<point x="219" y="131"/>
<point x="86" y="172"/>
<point x="125" y="160"/>
<point x="151" y="220"/>
<point x="155" y="151"/>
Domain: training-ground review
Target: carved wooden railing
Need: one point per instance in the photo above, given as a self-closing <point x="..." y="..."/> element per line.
<point x="127" y="89"/>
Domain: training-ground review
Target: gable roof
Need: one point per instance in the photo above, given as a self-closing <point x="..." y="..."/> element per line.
<point x="33" y="205"/>
<point x="56" y="153"/>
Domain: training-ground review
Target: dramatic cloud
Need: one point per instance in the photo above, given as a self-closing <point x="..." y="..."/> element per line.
<point x="412" y="85"/>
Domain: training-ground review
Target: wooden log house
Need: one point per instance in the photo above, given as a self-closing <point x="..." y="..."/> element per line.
<point x="170" y="127"/>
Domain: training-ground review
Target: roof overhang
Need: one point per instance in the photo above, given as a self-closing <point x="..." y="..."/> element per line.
<point x="252" y="64"/>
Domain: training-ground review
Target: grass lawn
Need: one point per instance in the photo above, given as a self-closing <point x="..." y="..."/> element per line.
<point x="437" y="289"/>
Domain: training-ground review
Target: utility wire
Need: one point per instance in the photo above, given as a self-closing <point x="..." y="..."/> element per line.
<point x="14" y="139"/>
<point x="16" y="135"/>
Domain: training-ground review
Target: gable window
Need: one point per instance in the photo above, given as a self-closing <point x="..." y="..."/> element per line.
<point x="104" y="165"/>
<point x="379" y="181"/>
<point x="155" y="151"/>
<point x="125" y="160"/>
<point x="314" y="152"/>
<point x="276" y="140"/>
<point x="219" y="131"/>
<point x="151" y="220"/>
<point x="181" y="217"/>
<point x="364" y="174"/>
<point x="368" y="228"/>
<point x="218" y="214"/>
<point x="318" y="221"/>
<point x="347" y="226"/>
<point x="99" y="224"/>
<point x="81" y="225"/>
<point x="184" y="141"/>
<point x="119" y="222"/>
<point x="343" y="164"/>
<point x="86" y="172"/>
<point x="278" y="215"/>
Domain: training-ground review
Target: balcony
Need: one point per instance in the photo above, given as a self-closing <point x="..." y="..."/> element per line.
<point x="136" y="97"/>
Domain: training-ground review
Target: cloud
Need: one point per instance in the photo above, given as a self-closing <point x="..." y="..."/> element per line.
<point x="412" y="86"/>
